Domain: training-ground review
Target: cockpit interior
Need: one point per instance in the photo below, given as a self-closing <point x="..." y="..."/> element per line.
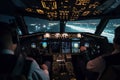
<point x="66" y="33"/>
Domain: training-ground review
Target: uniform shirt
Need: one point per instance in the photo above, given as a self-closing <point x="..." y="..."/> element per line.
<point x="8" y="61"/>
<point x="98" y="64"/>
<point x="35" y="72"/>
<point x="7" y="51"/>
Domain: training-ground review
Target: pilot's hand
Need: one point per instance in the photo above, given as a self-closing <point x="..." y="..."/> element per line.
<point x="83" y="48"/>
<point x="45" y="68"/>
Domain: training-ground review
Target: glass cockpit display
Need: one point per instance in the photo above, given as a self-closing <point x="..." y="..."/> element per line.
<point x="66" y="47"/>
<point x="55" y="47"/>
<point x="33" y="45"/>
<point x="75" y="47"/>
<point x="44" y="46"/>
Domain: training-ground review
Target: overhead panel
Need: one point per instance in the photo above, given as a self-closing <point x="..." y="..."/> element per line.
<point x="68" y="10"/>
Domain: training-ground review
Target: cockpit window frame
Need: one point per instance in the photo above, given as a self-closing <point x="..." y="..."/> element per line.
<point x="112" y="24"/>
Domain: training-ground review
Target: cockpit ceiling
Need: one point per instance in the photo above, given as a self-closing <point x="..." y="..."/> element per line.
<point x="66" y="9"/>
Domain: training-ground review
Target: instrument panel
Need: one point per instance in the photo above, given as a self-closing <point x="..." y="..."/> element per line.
<point x="69" y="43"/>
<point x="55" y="46"/>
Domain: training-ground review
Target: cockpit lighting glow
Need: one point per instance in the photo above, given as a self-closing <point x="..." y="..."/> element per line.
<point x="47" y="35"/>
<point x="79" y="35"/>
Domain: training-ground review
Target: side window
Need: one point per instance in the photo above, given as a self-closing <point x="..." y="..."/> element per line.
<point x="109" y="30"/>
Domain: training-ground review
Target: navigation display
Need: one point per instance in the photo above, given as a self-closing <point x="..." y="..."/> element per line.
<point x="66" y="47"/>
<point x="55" y="47"/>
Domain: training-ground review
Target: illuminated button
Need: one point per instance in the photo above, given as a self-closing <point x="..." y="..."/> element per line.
<point x="47" y="35"/>
<point x="64" y="35"/>
<point x="79" y="35"/>
<point x="57" y="35"/>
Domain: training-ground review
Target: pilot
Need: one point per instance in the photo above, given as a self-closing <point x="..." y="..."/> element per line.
<point x="98" y="64"/>
<point x="8" y="59"/>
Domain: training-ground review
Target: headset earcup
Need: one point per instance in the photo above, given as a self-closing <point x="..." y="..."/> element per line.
<point x="15" y="37"/>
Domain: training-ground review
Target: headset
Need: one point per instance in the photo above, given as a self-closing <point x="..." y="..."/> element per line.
<point x="15" y="37"/>
<point x="10" y="28"/>
<point x="14" y="33"/>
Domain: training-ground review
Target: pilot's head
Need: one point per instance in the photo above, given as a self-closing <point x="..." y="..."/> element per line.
<point x="117" y="31"/>
<point x="6" y="41"/>
<point x="117" y="38"/>
<point x="117" y="42"/>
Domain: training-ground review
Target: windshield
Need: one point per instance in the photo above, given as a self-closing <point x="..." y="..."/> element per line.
<point x="40" y="25"/>
<point x="109" y="29"/>
<point x="82" y="26"/>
